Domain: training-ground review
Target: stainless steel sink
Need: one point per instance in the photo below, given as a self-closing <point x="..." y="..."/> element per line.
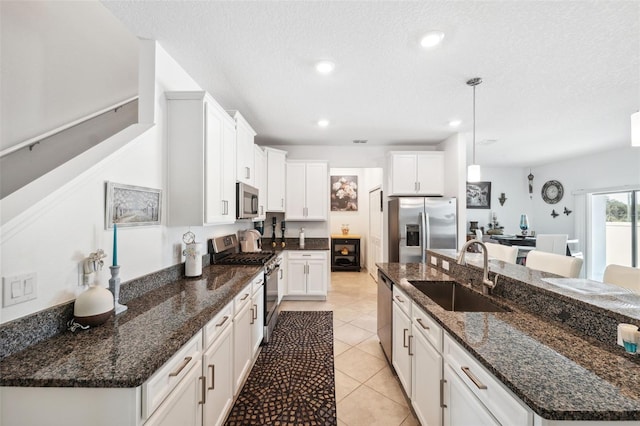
<point x="455" y="297"/>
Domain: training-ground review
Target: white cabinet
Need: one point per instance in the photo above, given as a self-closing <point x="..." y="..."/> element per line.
<point x="306" y="191"/>
<point x="245" y="171"/>
<point x="260" y="160"/>
<point x="257" y="319"/>
<point x="282" y="276"/>
<point x="462" y="408"/>
<point x="184" y="405"/>
<point x="401" y="345"/>
<point x="243" y="317"/>
<point x="276" y="182"/>
<point x="307" y="274"/>
<point x="470" y="386"/>
<point x="201" y="161"/>
<point x="416" y="173"/>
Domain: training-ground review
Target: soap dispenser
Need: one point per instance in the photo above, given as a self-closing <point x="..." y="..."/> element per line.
<point x="301" y="238"/>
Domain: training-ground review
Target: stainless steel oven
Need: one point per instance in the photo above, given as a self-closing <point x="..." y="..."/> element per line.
<point x="246" y="201"/>
<point x="271" y="298"/>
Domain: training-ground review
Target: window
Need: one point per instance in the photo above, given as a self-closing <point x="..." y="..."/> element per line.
<point x="615" y="229"/>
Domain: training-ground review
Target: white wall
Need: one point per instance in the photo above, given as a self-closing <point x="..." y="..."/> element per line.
<point x="57" y="66"/>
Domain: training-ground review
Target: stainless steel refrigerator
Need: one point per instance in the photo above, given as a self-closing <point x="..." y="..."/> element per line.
<point x="420" y="223"/>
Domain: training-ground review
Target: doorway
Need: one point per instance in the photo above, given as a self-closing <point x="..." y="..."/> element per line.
<point x="374" y="251"/>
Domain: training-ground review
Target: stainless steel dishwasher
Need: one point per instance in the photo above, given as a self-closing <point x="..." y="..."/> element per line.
<point x="385" y="306"/>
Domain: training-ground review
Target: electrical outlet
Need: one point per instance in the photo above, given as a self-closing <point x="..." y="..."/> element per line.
<point x="434" y="261"/>
<point x="445" y="265"/>
<point x="19" y="288"/>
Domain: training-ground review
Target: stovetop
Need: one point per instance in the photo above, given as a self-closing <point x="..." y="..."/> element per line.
<point x="258" y="258"/>
<point x="224" y="251"/>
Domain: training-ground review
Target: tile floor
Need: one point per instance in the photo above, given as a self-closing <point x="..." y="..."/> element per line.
<point x="367" y="392"/>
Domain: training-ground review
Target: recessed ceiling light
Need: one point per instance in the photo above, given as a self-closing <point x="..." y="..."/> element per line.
<point x="431" y="39"/>
<point x="325" y="67"/>
<point x="323" y="123"/>
<point x="360" y="141"/>
<point x="455" y="123"/>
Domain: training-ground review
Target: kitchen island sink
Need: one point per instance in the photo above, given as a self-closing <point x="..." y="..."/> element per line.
<point x="453" y="296"/>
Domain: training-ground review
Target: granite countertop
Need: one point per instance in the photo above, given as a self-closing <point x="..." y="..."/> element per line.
<point x="559" y="373"/>
<point x="294" y="244"/>
<point x="126" y="350"/>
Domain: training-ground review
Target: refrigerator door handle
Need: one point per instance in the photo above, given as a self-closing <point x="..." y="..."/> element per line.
<point x="423" y="236"/>
<point x="427" y="236"/>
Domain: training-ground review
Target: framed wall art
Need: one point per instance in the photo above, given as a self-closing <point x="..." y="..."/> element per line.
<point x="128" y="205"/>
<point x="479" y="195"/>
<point x="344" y="193"/>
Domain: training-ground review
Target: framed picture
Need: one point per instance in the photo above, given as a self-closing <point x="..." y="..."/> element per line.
<point x="344" y="193"/>
<point x="479" y="195"/>
<point x="128" y="205"/>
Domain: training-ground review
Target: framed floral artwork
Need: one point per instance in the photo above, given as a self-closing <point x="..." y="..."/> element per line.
<point x="344" y="193"/>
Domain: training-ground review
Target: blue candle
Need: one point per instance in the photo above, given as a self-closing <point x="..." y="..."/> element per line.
<point x="115" y="245"/>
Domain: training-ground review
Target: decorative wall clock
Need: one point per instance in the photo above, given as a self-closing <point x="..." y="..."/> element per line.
<point x="552" y="192"/>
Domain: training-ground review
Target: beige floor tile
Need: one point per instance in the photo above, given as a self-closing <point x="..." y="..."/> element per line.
<point x="344" y="385"/>
<point x="358" y="364"/>
<point x="372" y="347"/>
<point x="341" y="423"/>
<point x="346" y="314"/>
<point x="369" y="323"/>
<point x="364" y="406"/>
<point x="339" y="347"/>
<point x="351" y="334"/>
<point x="410" y="421"/>
<point x="387" y="384"/>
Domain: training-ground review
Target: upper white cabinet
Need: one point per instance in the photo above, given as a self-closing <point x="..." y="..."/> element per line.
<point x="245" y="167"/>
<point x="201" y="160"/>
<point x="276" y="182"/>
<point x="307" y="191"/>
<point x="260" y="161"/>
<point x="416" y="173"/>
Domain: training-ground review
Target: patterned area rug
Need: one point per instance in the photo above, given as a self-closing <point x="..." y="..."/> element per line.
<point x="293" y="380"/>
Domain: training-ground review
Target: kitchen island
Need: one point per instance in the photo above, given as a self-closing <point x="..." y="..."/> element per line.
<point x="560" y="372"/>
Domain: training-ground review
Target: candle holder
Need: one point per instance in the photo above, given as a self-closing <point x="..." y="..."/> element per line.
<point x="114" y="286"/>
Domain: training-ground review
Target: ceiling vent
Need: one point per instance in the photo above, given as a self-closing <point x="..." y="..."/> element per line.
<point x="360" y="141"/>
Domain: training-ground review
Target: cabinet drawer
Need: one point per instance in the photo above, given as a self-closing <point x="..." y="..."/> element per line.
<point x="217" y="325"/>
<point x="427" y="326"/>
<point x="502" y="404"/>
<point x="242" y="298"/>
<point x="307" y="254"/>
<point x="257" y="283"/>
<point x="402" y="300"/>
<point x="163" y="381"/>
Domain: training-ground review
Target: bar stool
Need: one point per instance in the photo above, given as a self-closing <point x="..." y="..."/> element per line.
<point x="507" y="254"/>
<point x="566" y="266"/>
<point x="623" y="276"/>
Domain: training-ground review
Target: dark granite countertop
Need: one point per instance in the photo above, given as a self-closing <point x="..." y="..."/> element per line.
<point x="559" y="373"/>
<point x="294" y="244"/>
<point x="129" y="348"/>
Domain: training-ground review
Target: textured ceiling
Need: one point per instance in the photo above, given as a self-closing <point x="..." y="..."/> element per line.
<point x="559" y="78"/>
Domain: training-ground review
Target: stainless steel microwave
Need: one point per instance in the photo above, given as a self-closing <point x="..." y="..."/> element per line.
<point x="247" y="201"/>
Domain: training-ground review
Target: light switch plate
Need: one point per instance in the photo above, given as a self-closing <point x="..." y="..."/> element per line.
<point x="18" y="288"/>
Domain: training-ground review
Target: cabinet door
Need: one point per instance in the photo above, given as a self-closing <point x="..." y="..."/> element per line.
<point x="400" y="347"/>
<point x="257" y="320"/>
<point x="282" y="278"/>
<point x="427" y="371"/>
<point x="228" y="169"/>
<point x="214" y="204"/>
<point x="430" y="172"/>
<point x="244" y="149"/>
<point x="295" y="192"/>
<point x="296" y="277"/>
<point x="260" y="165"/>
<point x="316" y="190"/>
<point x="183" y="406"/>
<point x="241" y="345"/>
<point x="462" y="408"/>
<point x="276" y="183"/>
<point x="317" y="277"/>
<point x="403" y="174"/>
<point x="218" y="360"/>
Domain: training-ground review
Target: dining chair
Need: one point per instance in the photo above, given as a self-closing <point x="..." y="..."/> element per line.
<point x="566" y="266"/>
<point x="552" y="243"/>
<point x="502" y="252"/>
<point x="623" y="276"/>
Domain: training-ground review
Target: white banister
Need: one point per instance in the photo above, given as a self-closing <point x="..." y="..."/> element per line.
<point x="36" y="139"/>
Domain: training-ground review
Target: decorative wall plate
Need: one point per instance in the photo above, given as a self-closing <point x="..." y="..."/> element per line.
<point x="552" y="192"/>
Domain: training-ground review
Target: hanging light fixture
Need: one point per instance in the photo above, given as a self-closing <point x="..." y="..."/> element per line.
<point x="473" y="171"/>
<point x="635" y="129"/>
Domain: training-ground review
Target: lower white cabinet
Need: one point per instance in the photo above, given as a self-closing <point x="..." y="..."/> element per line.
<point x="257" y="319"/>
<point x="400" y="347"/>
<point x="242" y="320"/>
<point x="282" y="276"/>
<point x="462" y="408"/>
<point x="219" y="378"/>
<point x="307" y="274"/>
<point x="183" y="406"/>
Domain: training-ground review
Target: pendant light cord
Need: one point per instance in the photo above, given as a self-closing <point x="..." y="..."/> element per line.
<point x="473" y="83"/>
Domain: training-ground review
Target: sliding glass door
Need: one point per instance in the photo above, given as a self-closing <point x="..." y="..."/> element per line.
<point x="615" y="219"/>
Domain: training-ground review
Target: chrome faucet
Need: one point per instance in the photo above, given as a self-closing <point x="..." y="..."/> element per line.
<point x="487" y="284"/>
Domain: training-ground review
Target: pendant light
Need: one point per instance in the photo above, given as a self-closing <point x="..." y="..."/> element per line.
<point x="473" y="171"/>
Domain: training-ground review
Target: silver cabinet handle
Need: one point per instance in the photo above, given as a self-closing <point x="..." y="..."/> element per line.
<point x="255" y="312"/>
<point x="252" y="315"/>
<point x="281" y="202"/>
<point x="213" y="377"/>
<point x="281" y="274"/>
<point x="418" y="186"/>
<point x="181" y="367"/>
<point x="204" y="390"/>
<point x="399" y="299"/>
<point x="245" y="296"/>
<point x="224" y="319"/>
<point x="404" y="338"/>
<point x="422" y="324"/>
<point x="248" y="174"/>
<point x="442" y="382"/>
<point x="410" y="339"/>
<point x="473" y="378"/>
